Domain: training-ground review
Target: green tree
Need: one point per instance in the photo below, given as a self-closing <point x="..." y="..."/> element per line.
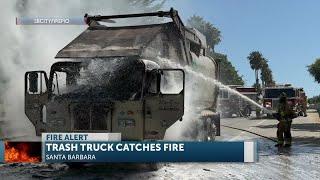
<point x="228" y="73"/>
<point x="266" y="74"/>
<point x="314" y="70"/>
<point x="256" y="61"/>
<point x="314" y="100"/>
<point x="213" y="35"/>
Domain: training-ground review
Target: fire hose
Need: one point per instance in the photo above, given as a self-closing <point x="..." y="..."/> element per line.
<point x="271" y="139"/>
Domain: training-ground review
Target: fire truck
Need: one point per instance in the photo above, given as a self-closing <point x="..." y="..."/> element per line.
<point x="302" y="102"/>
<point x="297" y="98"/>
<point x="231" y="104"/>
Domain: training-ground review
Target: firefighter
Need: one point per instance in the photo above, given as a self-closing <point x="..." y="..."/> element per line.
<point x="285" y="115"/>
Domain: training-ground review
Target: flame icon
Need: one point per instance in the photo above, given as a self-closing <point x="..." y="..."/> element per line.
<point x="22" y="152"/>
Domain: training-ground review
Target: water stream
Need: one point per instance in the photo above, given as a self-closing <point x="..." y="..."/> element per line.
<point x="214" y="82"/>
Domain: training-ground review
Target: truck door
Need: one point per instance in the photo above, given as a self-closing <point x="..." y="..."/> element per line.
<point x="165" y="103"/>
<point x="36" y="95"/>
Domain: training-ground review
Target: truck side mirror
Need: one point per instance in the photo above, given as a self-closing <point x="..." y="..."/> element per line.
<point x="33" y="82"/>
<point x="36" y="82"/>
<point x="171" y="81"/>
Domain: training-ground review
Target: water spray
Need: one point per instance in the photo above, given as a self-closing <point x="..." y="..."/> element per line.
<point x="214" y="82"/>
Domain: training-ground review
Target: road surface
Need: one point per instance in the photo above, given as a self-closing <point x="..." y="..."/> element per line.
<point x="301" y="161"/>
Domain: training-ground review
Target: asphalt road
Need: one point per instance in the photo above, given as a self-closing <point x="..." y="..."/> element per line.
<point x="301" y="161"/>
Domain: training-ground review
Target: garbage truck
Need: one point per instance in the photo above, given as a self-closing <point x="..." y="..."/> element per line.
<point x="118" y="79"/>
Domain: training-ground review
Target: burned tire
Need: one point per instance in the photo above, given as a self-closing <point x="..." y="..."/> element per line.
<point x="208" y="132"/>
<point x="301" y="113"/>
<point x="247" y="111"/>
<point x="216" y="122"/>
<point x="203" y="128"/>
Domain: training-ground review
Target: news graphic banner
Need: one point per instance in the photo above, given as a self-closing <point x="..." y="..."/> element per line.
<point x="1" y="152"/>
<point x="107" y="147"/>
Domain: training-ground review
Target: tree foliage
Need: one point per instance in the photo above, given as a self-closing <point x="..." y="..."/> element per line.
<point x="228" y="73"/>
<point x="259" y="63"/>
<point x="213" y="35"/>
<point x="256" y="60"/>
<point x="314" y="70"/>
<point x="266" y="74"/>
<point x="314" y="100"/>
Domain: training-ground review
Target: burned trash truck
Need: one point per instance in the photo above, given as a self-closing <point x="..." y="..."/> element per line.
<point x="112" y="79"/>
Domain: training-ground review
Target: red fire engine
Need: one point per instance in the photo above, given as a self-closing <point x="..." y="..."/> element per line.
<point x="296" y="98"/>
<point x="233" y="105"/>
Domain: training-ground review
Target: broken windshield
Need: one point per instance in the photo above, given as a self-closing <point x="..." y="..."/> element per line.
<point x="112" y="78"/>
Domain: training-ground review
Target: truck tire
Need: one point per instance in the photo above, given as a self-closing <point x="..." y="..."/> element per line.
<point x="247" y="111"/>
<point x="209" y="130"/>
<point x="216" y="121"/>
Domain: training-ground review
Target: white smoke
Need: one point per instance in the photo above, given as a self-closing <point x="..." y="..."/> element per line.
<point x="26" y="48"/>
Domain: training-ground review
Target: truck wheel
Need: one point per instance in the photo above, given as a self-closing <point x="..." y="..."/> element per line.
<point x="258" y="113"/>
<point x="301" y="113"/>
<point x="240" y="114"/>
<point x="209" y="130"/>
<point x="212" y="134"/>
<point x="247" y="111"/>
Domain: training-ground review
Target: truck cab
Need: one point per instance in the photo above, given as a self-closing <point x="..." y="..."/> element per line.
<point x="127" y="98"/>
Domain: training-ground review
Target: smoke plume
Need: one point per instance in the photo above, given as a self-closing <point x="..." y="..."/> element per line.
<point x="26" y="48"/>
